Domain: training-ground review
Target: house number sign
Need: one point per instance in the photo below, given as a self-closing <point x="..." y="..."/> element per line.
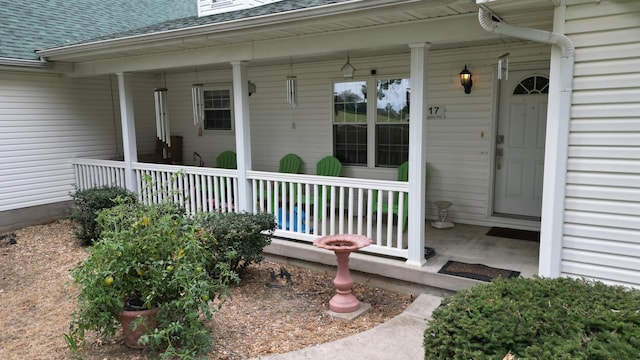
<point x="435" y="112"/>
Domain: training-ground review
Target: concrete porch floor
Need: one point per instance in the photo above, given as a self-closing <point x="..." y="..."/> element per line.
<point x="465" y="243"/>
<point x="470" y="244"/>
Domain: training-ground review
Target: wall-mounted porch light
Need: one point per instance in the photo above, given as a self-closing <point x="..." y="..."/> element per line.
<point x="163" y="130"/>
<point x="465" y="80"/>
<point x="197" y="100"/>
<point x="348" y="70"/>
<point x="252" y="88"/>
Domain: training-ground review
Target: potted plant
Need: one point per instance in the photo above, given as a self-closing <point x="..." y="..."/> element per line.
<point x="150" y="257"/>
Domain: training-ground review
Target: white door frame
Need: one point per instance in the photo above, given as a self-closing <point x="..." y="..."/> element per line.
<point x="527" y="224"/>
<point x="510" y="206"/>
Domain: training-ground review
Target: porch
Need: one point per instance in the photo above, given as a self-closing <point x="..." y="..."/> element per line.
<point x="464" y="243"/>
<point x="349" y="208"/>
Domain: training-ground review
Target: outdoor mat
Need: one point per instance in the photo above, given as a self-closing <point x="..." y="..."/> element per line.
<point x="476" y="271"/>
<point x="514" y="234"/>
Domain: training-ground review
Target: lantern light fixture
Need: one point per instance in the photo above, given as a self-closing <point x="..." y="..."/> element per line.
<point x="348" y="70"/>
<point x="465" y="80"/>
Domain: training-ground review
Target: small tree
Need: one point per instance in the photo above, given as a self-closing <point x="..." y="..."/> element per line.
<point x="150" y="256"/>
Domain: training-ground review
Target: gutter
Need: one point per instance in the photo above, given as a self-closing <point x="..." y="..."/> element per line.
<point x="557" y="138"/>
<point x="303" y="14"/>
<point x="23" y="63"/>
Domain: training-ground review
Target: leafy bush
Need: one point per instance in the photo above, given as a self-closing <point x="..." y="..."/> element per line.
<point x="239" y="238"/>
<point x="537" y="319"/>
<point x="151" y="256"/>
<point x="87" y="203"/>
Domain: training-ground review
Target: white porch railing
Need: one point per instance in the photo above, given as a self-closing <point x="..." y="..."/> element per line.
<point x="195" y="188"/>
<point x="308" y="206"/>
<point x="305" y="206"/>
<point x="92" y="173"/>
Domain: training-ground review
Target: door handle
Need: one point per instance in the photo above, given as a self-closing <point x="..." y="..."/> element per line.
<point x="499" y="155"/>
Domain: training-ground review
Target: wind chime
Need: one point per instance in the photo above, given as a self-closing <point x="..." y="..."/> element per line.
<point x="163" y="130"/>
<point x="503" y="66"/>
<point x="197" y="102"/>
<point x="292" y="87"/>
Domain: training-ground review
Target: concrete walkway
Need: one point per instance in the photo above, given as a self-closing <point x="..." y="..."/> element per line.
<point x="399" y="338"/>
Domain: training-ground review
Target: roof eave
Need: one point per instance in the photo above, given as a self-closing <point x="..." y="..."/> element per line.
<point x="24" y="64"/>
<point x="247" y="23"/>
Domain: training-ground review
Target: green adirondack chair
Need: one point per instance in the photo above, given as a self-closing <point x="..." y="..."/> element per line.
<point x="327" y="166"/>
<point x="227" y="160"/>
<point x="290" y="164"/>
<point x="403" y="175"/>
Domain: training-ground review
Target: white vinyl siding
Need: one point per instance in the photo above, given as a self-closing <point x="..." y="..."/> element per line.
<point x="602" y="216"/>
<point x="47" y="120"/>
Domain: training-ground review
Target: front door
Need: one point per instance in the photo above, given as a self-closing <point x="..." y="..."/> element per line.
<point x="519" y="163"/>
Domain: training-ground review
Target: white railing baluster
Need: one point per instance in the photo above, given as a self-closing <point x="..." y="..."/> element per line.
<point x="379" y="216"/>
<point x="359" y="210"/>
<point x="192" y="194"/>
<point x="340" y="209"/>
<point x="400" y="227"/>
<point x="331" y="199"/>
<point x="217" y="193"/>
<point x="198" y="190"/>
<point x="254" y="203"/>
<point x="350" y="212"/>
<point x="389" y="240"/>
<point x="210" y="198"/>
<point x="369" y="214"/>
<point x="270" y="197"/>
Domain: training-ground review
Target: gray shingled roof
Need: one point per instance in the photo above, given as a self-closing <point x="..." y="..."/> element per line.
<point x="55" y="23"/>
<point x="29" y="25"/>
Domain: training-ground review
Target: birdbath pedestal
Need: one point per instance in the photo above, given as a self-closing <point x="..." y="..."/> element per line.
<point x="342" y="245"/>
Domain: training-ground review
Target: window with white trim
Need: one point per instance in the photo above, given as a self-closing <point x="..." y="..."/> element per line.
<point x="218" y="108"/>
<point x="361" y="117"/>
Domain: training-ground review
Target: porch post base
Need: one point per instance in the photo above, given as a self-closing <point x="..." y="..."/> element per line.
<point x="420" y="263"/>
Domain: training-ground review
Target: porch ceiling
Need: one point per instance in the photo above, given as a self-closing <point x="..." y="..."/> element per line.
<point x="316" y="23"/>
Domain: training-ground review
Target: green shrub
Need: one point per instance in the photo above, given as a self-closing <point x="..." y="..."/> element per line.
<point x="87" y="203"/>
<point x="537" y="319"/>
<point x="239" y="237"/>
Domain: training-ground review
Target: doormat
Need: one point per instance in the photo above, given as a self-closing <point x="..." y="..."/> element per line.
<point x="514" y="234"/>
<point x="476" y="271"/>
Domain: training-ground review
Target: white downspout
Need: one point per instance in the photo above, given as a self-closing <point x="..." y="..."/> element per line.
<point x="557" y="137"/>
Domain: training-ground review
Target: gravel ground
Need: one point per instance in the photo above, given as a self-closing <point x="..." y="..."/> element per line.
<point x="268" y="314"/>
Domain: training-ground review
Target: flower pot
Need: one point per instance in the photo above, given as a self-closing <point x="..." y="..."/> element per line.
<point x="127" y="319"/>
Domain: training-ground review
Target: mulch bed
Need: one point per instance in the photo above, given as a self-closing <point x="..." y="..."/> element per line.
<point x="270" y="312"/>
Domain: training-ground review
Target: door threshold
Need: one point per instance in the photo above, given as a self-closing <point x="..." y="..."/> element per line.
<point x="517" y="217"/>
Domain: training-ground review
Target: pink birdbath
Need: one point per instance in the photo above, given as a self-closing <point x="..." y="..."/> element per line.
<point x="343" y="245"/>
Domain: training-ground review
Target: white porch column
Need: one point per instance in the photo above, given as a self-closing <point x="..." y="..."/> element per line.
<point x="243" y="134"/>
<point x="417" y="153"/>
<point x="129" y="147"/>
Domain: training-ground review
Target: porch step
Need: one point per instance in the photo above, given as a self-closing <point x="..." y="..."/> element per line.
<point x="390" y="274"/>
